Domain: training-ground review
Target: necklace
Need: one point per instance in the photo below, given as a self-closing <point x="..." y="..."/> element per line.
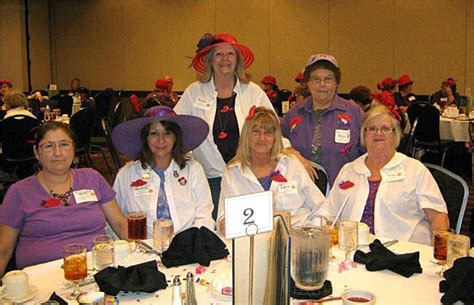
<point x="227" y="109"/>
<point x="64" y="197"/>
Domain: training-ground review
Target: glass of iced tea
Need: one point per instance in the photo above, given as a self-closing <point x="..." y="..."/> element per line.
<point x="440" y="247"/>
<point x="333" y="238"/>
<point x="75" y="266"/>
<point x="136" y="227"/>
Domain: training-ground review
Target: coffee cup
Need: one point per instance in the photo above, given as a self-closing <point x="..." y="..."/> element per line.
<point x="355" y="297"/>
<point x="122" y="250"/>
<point x="364" y="237"/>
<point x="15" y="285"/>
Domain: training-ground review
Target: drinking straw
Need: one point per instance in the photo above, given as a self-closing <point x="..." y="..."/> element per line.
<point x="339" y="212"/>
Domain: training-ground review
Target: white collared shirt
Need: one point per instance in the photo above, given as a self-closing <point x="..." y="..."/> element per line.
<point x="301" y="204"/>
<point x="407" y="187"/>
<point x="247" y="95"/>
<point x="189" y="202"/>
<point x="19" y="111"/>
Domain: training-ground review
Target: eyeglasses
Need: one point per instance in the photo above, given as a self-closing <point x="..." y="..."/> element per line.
<point x="51" y="146"/>
<point x="383" y="129"/>
<point x="327" y="80"/>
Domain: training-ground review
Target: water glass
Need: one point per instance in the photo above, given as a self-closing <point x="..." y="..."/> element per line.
<point x="458" y="246"/>
<point x="309" y="256"/>
<point x="163" y="231"/>
<point x="102" y="252"/>
<point x="348" y="235"/>
<point x="75" y="266"/>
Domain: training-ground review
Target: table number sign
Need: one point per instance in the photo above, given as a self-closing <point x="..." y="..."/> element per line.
<point x="248" y="214"/>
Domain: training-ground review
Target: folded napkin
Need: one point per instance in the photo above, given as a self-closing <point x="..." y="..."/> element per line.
<point x="451" y="112"/>
<point x="194" y="246"/>
<point x="144" y="278"/>
<point x="380" y="258"/>
<point x="57" y="298"/>
<point x="459" y="283"/>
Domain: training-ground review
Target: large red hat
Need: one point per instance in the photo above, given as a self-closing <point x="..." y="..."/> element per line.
<point x="386" y="83"/>
<point x="269" y="80"/>
<point x="404" y="79"/>
<point x="209" y="41"/>
<point x="299" y="77"/>
<point x="6" y="81"/>
<point x="162" y="84"/>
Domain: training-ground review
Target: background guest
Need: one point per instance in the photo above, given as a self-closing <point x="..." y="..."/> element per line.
<point x="56" y="206"/>
<point x="261" y="164"/>
<point x="404" y="97"/>
<point x="172" y="94"/>
<point x="447" y="96"/>
<point x="395" y="195"/>
<point x="325" y="127"/>
<point x="388" y="84"/>
<point x="16" y="104"/>
<point x="361" y="96"/>
<point x="222" y="97"/>
<point x="163" y="182"/>
<point x="272" y="91"/>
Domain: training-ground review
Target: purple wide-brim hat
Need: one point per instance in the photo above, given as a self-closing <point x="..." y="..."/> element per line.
<point x="126" y="136"/>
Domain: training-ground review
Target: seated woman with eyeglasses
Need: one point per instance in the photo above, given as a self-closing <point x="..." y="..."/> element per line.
<point x="396" y="196"/>
<point x="56" y="206"/>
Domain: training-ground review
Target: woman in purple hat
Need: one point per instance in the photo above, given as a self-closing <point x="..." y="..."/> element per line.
<point x="222" y="96"/>
<point x="163" y="182"/>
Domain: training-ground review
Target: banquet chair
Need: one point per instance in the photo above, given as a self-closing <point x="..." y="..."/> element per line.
<point x="82" y="124"/>
<point x="408" y="141"/>
<point x="64" y="103"/>
<point x="322" y="182"/>
<point x="19" y="160"/>
<point x="455" y="192"/>
<point x="103" y="102"/>
<point x="426" y="134"/>
<point x="113" y="152"/>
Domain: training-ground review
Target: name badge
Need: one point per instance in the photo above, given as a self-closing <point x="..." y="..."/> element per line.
<point x="342" y="136"/>
<point x="84" y="196"/>
<point x="142" y="190"/>
<point x="395" y="174"/>
<point x="443" y="99"/>
<point x="287" y="188"/>
<point x="411" y="98"/>
<point x="203" y="103"/>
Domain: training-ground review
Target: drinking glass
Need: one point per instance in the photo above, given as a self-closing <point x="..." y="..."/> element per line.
<point x="333" y="236"/>
<point x="348" y="237"/>
<point x="440" y="248"/>
<point x="136" y="228"/>
<point x="75" y="266"/>
<point x="163" y="231"/>
<point x="102" y="252"/>
<point x="458" y="246"/>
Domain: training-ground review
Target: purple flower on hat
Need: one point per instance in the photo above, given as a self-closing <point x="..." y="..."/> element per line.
<point x="205" y="41"/>
<point x="159" y="112"/>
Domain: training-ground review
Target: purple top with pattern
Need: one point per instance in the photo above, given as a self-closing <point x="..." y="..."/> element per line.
<point x="368" y="215"/>
<point x="265" y="182"/>
<point x="335" y="155"/>
<point x="45" y="231"/>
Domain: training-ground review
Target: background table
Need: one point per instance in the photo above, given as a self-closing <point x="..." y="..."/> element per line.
<point x="456" y="130"/>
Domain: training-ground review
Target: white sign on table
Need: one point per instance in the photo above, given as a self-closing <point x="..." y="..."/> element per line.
<point x="248" y="214"/>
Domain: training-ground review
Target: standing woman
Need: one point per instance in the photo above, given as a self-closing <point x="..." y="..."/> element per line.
<point x="222" y="97"/>
<point x="325" y="127"/>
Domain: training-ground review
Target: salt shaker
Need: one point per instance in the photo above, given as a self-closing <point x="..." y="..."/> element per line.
<point x="176" y="292"/>
<point x="190" y="293"/>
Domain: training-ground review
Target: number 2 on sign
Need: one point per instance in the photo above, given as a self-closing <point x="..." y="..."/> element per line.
<point x="249" y="213"/>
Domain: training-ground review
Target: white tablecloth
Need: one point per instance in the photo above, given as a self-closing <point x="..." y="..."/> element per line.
<point x="390" y="288"/>
<point x="452" y="129"/>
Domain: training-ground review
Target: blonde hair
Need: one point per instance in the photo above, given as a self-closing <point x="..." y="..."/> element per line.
<point x="207" y="75"/>
<point x="376" y="111"/>
<point x="263" y="118"/>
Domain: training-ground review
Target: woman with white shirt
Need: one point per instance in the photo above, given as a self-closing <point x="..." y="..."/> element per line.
<point x="262" y="164"/>
<point x="222" y="96"/>
<point x="163" y="181"/>
<point x="396" y="196"/>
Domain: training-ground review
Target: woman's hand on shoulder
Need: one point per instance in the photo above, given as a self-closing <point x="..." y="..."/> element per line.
<point x="306" y="164"/>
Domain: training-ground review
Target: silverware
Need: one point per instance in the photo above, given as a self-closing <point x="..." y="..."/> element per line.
<point x="148" y="248"/>
<point x="390" y="243"/>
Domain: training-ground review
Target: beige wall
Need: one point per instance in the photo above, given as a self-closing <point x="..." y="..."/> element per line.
<point x="129" y="44"/>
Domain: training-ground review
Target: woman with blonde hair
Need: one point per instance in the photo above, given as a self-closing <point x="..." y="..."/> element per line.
<point x="261" y="164"/>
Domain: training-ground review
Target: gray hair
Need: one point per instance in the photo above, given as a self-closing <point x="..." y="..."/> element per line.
<point x="375" y="111"/>
<point x="16" y="99"/>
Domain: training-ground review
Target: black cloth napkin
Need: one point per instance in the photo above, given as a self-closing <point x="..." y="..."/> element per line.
<point x="194" y="246"/>
<point x="143" y="277"/>
<point x="459" y="282"/>
<point x="57" y="298"/>
<point x="380" y="258"/>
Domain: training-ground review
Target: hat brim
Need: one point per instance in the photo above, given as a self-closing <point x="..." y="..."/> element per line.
<point x="126" y="136"/>
<point x="245" y="52"/>
<point x="405" y="83"/>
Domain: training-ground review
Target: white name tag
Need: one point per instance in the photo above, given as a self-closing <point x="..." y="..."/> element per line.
<point x="248" y="214"/>
<point x="443" y="99"/>
<point x="395" y="174"/>
<point x="285" y="106"/>
<point x="203" y="103"/>
<point x="144" y="190"/>
<point x="84" y="196"/>
<point x="287" y="188"/>
<point x="342" y="136"/>
<point x="411" y="98"/>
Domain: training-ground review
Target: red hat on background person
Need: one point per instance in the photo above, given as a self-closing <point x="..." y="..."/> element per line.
<point x="386" y="84"/>
<point x="386" y="98"/>
<point x="5" y="81"/>
<point x="169" y="79"/>
<point x="269" y="80"/>
<point x="299" y="77"/>
<point x="208" y="41"/>
<point x="404" y="80"/>
<point x="162" y="84"/>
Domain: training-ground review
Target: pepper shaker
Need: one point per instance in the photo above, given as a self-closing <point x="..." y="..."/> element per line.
<point x="190" y="292"/>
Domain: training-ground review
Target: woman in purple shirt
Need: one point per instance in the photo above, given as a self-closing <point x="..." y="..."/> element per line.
<point x="325" y="127"/>
<point x="56" y="206"/>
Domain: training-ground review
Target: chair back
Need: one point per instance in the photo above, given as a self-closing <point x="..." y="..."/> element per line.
<point x="110" y="145"/>
<point x="82" y="123"/>
<point x="455" y="192"/>
<point x="103" y="102"/>
<point x="407" y="143"/>
<point x="64" y="103"/>
<point x="322" y="182"/>
<point x="18" y="134"/>
<point x="428" y="121"/>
